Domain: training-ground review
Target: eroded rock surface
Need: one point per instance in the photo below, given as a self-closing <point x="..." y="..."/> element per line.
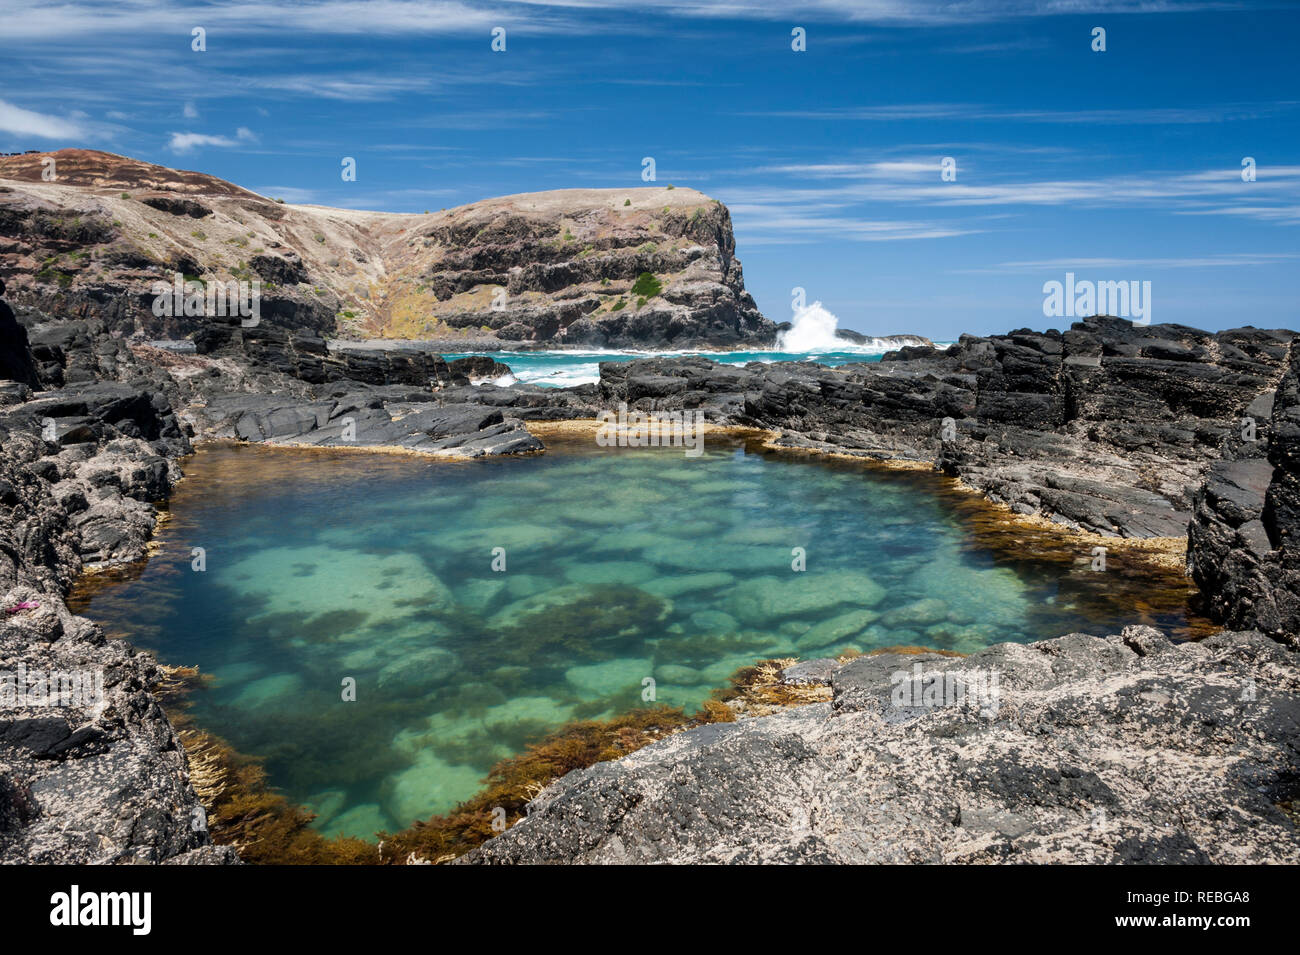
<point x="1124" y="749"/>
<point x="99" y="777"/>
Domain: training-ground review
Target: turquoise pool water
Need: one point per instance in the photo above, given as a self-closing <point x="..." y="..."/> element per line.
<point x="620" y="565"/>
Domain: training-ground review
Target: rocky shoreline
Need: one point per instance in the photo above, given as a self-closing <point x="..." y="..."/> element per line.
<point x="1119" y="750"/>
<point x="1108" y="431"/>
<point x="86" y="456"/>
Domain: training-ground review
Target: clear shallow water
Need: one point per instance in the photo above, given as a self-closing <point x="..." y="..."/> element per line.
<point x="620" y="565"/>
<point x="563" y="369"/>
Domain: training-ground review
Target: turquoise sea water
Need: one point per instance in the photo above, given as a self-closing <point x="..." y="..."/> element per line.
<point x="621" y="565"/>
<point x="562" y="369"/>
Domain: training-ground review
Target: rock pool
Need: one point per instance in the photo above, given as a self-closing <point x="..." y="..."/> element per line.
<point x="479" y="605"/>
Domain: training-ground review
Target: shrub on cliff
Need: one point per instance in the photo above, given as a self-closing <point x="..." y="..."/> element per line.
<point x="647" y="286"/>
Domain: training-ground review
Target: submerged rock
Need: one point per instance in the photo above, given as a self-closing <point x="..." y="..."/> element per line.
<point x="919" y="613"/>
<point x="632" y="573"/>
<point x="430" y="785"/>
<point x="675" y="586"/>
<point x="333" y="588"/>
<point x="613" y="676"/>
<point x="836" y="630"/>
<point x="361" y="822"/>
<point x="679" y="674"/>
<point x="763" y="599"/>
<point x="416" y="671"/>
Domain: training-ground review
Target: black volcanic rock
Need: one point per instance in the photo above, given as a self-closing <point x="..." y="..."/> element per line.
<point x="1097" y="428"/>
<point x="364" y="417"/>
<point x="281" y="269"/>
<point x="178" y="207"/>
<point x="476" y="368"/>
<point x="1244" y="543"/>
<point x="103" y="780"/>
<point x="903" y="341"/>
<point x="16" y="360"/>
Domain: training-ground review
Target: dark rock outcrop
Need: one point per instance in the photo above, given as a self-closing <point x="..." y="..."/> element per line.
<point x="178" y="207"/>
<point x="98" y="776"/>
<point x="1244" y="542"/>
<point x="17" y="363"/>
<point x="312" y="359"/>
<point x="567" y="267"/>
<point x="476" y="368"/>
<point x="99" y="779"/>
<point x="1124" y="749"/>
<point x="1097" y="428"/>
<point x="360" y="418"/>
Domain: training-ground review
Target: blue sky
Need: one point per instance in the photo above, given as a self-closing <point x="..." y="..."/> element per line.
<point x="1122" y="165"/>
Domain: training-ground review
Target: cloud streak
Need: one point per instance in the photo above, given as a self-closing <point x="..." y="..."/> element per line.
<point x="24" y="21"/>
<point x="26" y="122"/>
<point x="181" y="143"/>
<point x="1273" y="197"/>
<point x="1138" y="116"/>
<point x="1224" y="260"/>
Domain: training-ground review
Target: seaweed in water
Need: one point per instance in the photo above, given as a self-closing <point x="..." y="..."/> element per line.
<point x="266" y="828"/>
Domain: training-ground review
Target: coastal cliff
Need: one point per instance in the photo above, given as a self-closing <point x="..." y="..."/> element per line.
<point x="650" y="267"/>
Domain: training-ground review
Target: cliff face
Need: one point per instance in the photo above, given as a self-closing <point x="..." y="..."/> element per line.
<point x="550" y="268"/>
<point x="567" y="265"/>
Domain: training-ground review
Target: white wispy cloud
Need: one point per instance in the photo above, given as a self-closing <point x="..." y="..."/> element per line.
<point x="188" y="142"/>
<point x="1220" y="260"/>
<point x="1136" y="116"/>
<point x="26" y="21"/>
<point x="846" y="200"/>
<point x="340" y="86"/>
<point x="292" y="194"/>
<point x="762" y="223"/>
<point x="395" y="200"/>
<point x="905" y="169"/>
<point x="26" y="122"/>
<point x="1272" y="197"/>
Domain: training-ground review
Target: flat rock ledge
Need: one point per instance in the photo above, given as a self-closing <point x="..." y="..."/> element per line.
<point x="379" y="419"/>
<point x="1122" y="749"/>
